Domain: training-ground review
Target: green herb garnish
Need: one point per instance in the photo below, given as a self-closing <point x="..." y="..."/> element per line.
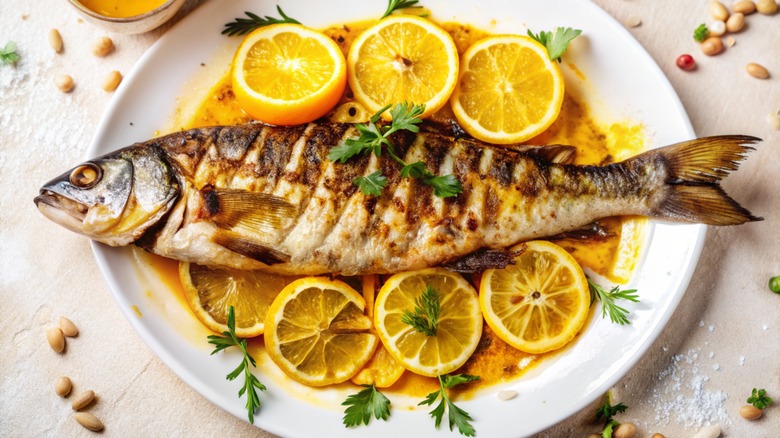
<point x="365" y="404"/>
<point x="394" y="5"/>
<point x="242" y="26"/>
<point x="456" y="416"/>
<point x="607" y="411"/>
<point x="556" y="43"/>
<point x="229" y="339"/>
<point x="425" y="318"/>
<point x="374" y="136"/>
<point x="759" y="399"/>
<point x="8" y="53"/>
<point x="616" y="313"/>
<point x="701" y="32"/>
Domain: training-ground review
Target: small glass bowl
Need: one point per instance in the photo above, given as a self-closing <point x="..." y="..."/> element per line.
<point x="135" y="24"/>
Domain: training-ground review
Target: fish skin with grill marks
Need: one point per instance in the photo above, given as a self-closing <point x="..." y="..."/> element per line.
<point x="261" y="197"/>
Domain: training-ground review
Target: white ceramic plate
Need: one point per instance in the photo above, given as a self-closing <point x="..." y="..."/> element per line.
<point x="623" y="83"/>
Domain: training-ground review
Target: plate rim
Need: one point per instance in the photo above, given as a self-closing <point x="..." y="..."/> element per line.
<point x="204" y="389"/>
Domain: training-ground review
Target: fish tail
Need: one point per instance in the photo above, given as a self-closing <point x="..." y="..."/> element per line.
<point x="694" y="170"/>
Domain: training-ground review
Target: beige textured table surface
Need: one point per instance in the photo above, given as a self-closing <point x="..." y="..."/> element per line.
<point x="723" y="340"/>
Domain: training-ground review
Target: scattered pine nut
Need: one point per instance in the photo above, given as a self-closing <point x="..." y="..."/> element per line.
<point x="746" y="7"/>
<point x="750" y="412"/>
<point x="757" y="70"/>
<point x="625" y="430"/>
<point x="735" y="23"/>
<point x="730" y="41"/>
<point x="65" y="84"/>
<point x="708" y="432"/>
<point x="68" y="328"/>
<point x="712" y="46"/>
<point x="774" y="119"/>
<point x="766" y="7"/>
<point x="83" y="400"/>
<point x="594" y="435"/>
<point x="56" y="339"/>
<point x="55" y="40"/>
<point x="62" y="386"/>
<point x="507" y="394"/>
<point x="633" y="21"/>
<point x="103" y="47"/>
<point x="112" y="81"/>
<point x="658" y="435"/>
<point x="718" y="11"/>
<point x="89" y="421"/>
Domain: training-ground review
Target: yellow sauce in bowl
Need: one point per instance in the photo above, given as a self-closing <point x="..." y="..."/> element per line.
<point x="122" y="8"/>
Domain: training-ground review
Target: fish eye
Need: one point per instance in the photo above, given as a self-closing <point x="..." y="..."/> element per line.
<point x="86" y="175"/>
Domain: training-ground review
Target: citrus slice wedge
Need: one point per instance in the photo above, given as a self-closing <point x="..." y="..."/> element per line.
<point x="403" y="58"/>
<point x="508" y="91"/>
<point x="287" y="74"/>
<point x="211" y="291"/>
<point x="538" y="304"/>
<point x="457" y="331"/>
<point x="317" y="333"/>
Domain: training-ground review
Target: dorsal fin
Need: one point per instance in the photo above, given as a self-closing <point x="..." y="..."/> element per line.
<point x="230" y="208"/>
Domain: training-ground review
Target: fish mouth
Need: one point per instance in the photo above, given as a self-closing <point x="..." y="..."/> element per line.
<point x="61" y="210"/>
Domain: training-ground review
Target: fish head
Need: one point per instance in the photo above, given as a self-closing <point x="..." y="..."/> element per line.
<point x="113" y="199"/>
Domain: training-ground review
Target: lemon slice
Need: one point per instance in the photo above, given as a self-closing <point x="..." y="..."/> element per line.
<point x="316" y="332"/>
<point x="287" y="74"/>
<point x="382" y="370"/>
<point x="403" y="58"/>
<point x="539" y="303"/>
<point x="508" y="91"/>
<point x="211" y="291"/>
<point x="459" y="321"/>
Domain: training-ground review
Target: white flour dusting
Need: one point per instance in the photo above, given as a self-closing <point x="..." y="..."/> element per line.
<point x="694" y="406"/>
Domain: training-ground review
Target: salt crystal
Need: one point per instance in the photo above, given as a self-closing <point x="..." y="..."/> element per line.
<point x="701" y="323"/>
<point x="665" y="348"/>
<point x="716" y="367"/>
<point x="712" y="354"/>
<point x="741" y="360"/>
<point x="711" y="328"/>
<point x="764" y="327"/>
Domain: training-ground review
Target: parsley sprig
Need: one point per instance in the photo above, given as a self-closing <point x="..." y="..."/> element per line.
<point x="251" y="383"/>
<point x="617" y="314"/>
<point x="607" y="411"/>
<point x="365" y="404"/>
<point x="374" y="137"/>
<point x="425" y="318"/>
<point x="394" y="5"/>
<point x="556" y="43"/>
<point x="456" y="416"/>
<point x="8" y="53"/>
<point x="701" y="33"/>
<point x="242" y="26"/>
<point x="759" y="398"/>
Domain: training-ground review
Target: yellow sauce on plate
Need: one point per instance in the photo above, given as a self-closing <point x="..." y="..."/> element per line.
<point x="614" y="257"/>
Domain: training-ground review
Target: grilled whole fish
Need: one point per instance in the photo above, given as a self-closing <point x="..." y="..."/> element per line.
<point x="260" y="197"/>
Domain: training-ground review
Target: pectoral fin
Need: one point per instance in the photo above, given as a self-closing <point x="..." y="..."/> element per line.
<point x="249" y="248"/>
<point x="231" y="208"/>
<point x="554" y="153"/>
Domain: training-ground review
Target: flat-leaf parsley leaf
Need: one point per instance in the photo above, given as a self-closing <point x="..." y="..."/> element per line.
<point x="365" y="404"/>
<point x="8" y="53"/>
<point x="556" y="43"/>
<point x="456" y="416"/>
